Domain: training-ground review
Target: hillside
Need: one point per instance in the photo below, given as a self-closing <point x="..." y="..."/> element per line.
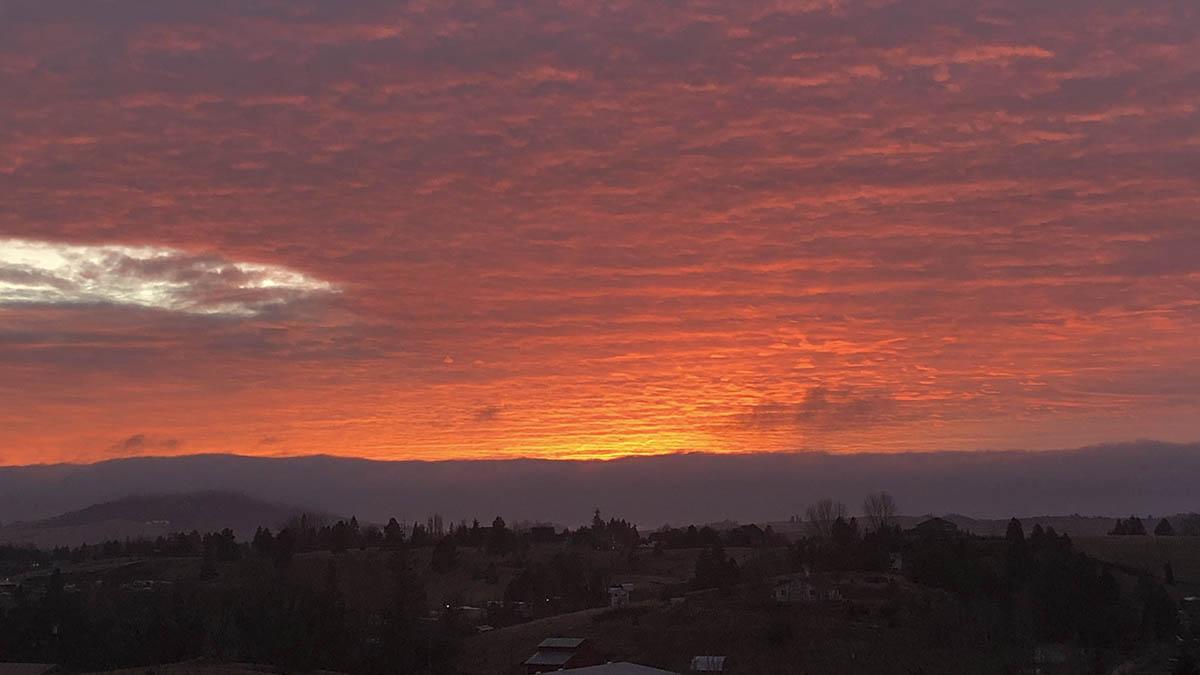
<point x="151" y="516"/>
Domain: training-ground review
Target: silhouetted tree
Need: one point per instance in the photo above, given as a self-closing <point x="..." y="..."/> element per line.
<point x="844" y="532"/>
<point x="1131" y="527"/>
<point x="1159" y="619"/>
<point x="1016" y="561"/>
<point x="1164" y="529"/>
<point x="285" y="548"/>
<point x="1189" y="525"/>
<point x="264" y="542"/>
<point x="1015" y="532"/>
<point x="420" y="535"/>
<point x="339" y="537"/>
<point x="880" y="510"/>
<point x="822" y="514"/>
<point x="498" y="537"/>
<point x="393" y="534"/>
<point x="714" y="569"/>
<point x="372" y="537"/>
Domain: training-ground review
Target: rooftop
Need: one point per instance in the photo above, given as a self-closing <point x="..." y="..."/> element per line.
<point x="621" y="668"/>
<point x="561" y="643"/>
<point x="552" y="657"/>
<point x="708" y="664"/>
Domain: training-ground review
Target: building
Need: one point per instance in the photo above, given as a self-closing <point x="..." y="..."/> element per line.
<point x="708" y="664"/>
<point x="1051" y="658"/>
<point x="829" y="594"/>
<point x="468" y="614"/>
<point x="8" y="594"/>
<point x="561" y="653"/>
<point x="936" y="528"/>
<point x="618" y="595"/>
<point x="793" y="590"/>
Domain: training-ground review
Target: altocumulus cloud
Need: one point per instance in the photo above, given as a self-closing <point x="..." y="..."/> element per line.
<point x="157" y="277"/>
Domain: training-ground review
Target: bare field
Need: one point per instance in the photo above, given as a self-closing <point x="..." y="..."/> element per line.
<point x="757" y="637"/>
<point x="1148" y="553"/>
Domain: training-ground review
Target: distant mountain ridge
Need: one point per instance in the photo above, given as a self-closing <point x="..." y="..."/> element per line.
<point x="1074" y="525"/>
<point x="1140" y="478"/>
<point x="185" y="511"/>
<point x="150" y="516"/>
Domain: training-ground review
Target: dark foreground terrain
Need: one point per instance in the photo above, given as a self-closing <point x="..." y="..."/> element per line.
<point x="476" y="599"/>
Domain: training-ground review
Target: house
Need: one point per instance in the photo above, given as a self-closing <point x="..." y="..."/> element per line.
<point x="829" y="594"/>
<point x="561" y="653"/>
<point x="467" y="613"/>
<point x="708" y="664"/>
<point x="621" y="668"/>
<point x="1052" y="654"/>
<point x="1051" y="658"/>
<point x="618" y="595"/>
<point x="793" y="590"/>
<point x="543" y="533"/>
<point x="8" y="594"/>
<point x="935" y="528"/>
<point x="497" y="610"/>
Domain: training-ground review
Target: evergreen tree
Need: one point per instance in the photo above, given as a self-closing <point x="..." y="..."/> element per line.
<point x="393" y="534"/>
<point x="1015" y="532"/>
<point x="285" y="548"/>
<point x="498" y="538"/>
<point x="264" y="542"/>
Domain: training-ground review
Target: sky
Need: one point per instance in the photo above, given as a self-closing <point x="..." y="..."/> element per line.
<point x="579" y="229"/>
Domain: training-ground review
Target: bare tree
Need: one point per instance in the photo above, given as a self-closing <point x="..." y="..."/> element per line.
<point x="822" y="515"/>
<point x="880" y="510"/>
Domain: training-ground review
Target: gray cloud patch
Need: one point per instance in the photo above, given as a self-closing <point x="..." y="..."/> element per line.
<point x="824" y="409"/>
<point x="488" y="413"/>
<point x="141" y="444"/>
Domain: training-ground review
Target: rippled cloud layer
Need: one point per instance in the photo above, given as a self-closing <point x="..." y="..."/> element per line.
<point x="573" y="229"/>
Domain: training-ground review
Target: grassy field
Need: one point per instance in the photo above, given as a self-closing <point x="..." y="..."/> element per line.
<point x="1148" y="554"/>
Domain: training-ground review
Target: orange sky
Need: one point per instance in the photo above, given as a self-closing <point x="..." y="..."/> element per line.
<point x="585" y="229"/>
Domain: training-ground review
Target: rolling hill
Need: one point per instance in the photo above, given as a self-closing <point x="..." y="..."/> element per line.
<point x="150" y="516"/>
